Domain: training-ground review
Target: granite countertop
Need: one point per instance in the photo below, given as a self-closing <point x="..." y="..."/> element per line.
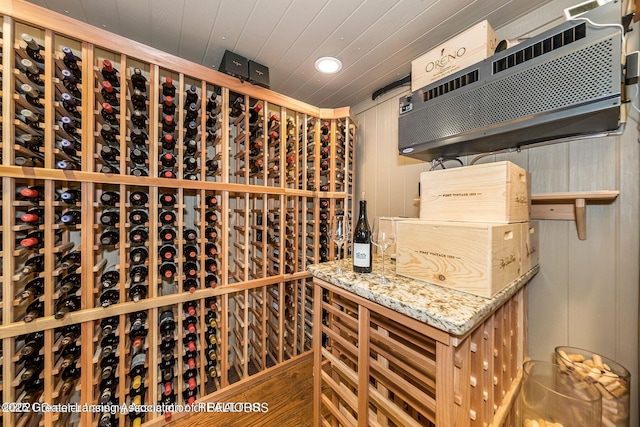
<point x="446" y="309"/>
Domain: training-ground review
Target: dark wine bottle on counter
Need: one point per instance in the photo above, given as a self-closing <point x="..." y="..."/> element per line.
<point x="362" y="241"/>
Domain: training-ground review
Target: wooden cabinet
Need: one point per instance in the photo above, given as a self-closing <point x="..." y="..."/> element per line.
<point x="247" y="199"/>
<point x="375" y="366"/>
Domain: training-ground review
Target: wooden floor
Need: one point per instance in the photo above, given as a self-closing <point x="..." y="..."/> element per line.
<point x="289" y="396"/>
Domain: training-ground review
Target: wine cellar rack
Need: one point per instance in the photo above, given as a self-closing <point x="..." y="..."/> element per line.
<point x="157" y="220"/>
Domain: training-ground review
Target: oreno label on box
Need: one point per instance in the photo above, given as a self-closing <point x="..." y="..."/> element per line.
<point x="467" y="48"/>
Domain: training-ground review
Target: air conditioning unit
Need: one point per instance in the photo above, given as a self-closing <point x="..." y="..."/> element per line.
<point x="564" y="82"/>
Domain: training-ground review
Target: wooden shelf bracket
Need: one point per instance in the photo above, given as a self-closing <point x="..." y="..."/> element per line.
<point x="569" y="206"/>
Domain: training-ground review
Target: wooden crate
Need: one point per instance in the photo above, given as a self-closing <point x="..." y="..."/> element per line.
<point x="529" y="253"/>
<point x="471" y="46"/>
<point x="491" y="192"/>
<point x="471" y="257"/>
<point x="389" y="224"/>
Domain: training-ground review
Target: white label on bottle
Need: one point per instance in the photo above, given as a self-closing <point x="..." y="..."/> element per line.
<point x="361" y="254"/>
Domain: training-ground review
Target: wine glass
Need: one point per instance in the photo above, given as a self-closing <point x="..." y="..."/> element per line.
<point x="339" y="233"/>
<point x="382" y="239"/>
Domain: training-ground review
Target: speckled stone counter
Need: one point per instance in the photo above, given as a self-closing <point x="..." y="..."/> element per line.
<point x="443" y="308"/>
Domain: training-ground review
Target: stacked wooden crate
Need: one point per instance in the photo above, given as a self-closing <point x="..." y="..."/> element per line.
<point x="474" y="232"/>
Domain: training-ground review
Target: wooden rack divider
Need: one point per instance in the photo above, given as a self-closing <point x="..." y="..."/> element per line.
<point x="251" y="305"/>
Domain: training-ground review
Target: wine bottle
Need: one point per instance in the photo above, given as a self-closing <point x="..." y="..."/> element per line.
<point x="211" y="265"/>
<point x="34" y="264"/>
<point x="110" y="74"/>
<point x="212" y="303"/>
<point x="108" y="343"/>
<point x="167" y="270"/>
<point x="109" y="134"/>
<point x="71" y="260"/>
<point x="71" y="62"/>
<point x="138" y="292"/>
<point x="66" y="305"/>
<point x="70" y="82"/>
<point x="110" y="237"/>
<point x="29" y="118"/>
<point x="138" y="235"/>
<point x="32" y="72"/>
<point x="69" y="334"/>
<point x="138" y="81"/>
<point x="190" y="235"/>
<point x="139" y="100"/>
<point x="109" y="279"/>
<point x="167" y="234"/>
<point x="211" y="281"/>
<point x="211" y="217"/>
<point x="190" y="147"/>
<point x="211" y="233"/>
<point x="138" y="216"/>
<point x="70" y="196"/>
<point x="191" y="113"/>
<point x="211" y="201"/>
<point x="167" y="217"/>
<point x="33" y="240"/>
<point x="138" y="156"/>
<point x="212" y="352"/>
<point x="168" y="89"/>
<point x="32" y="96"/>
<point x="190" y="252"/>
<point x="109" y="297"/>
<point x="34" y="216"/>
<point x="31" y="142"/>
<point x="108" y="325"/>
<point x="70" y="105"/>
<point x="211" y="368"/>
<point x="211" y="319"/>
<point x="33" y="49"/>
<point x="71" y="217"/>
<point x="70" y="284"/>
<point x="168" y="160"/>
<point x="168" y="124"/>
<point x="32" y="344"/>
<point x="167" y="322"/>
<point x="139" y="138"/>
<point x="212" y="103"/>
<point x="168" y="107"/>
<point x="140" y="171"/>
<point x="108" y="113"/>
<point x="189" y="324"/>
<point x="362" y="241"/>
<point x="167" y="252"/>
<point x="70" y="377"/>
<point x="34" y="310"/>
<point x="139" y="254"/>
<point x="168" y="143"/>
<point x="191" y="95"/>
<point x="212" y="166"/>
<point x="109" y="94"/>
<point x="138" y="198"/>
<point x="109" y="198"/>
<point x="191" y="284"/>
<point x="110" y="217"/>
<point x="109" y="154"/>
<point x="138" y="273"/>
<point x="237" y="107"/>
<point x="33" y="366"/>
<point x="69" y="355"/>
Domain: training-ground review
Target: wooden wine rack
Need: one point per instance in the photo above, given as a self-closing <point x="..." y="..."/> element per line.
<point x="249" y="298"/>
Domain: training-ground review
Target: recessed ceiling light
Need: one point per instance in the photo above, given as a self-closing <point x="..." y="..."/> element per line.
<point x="328" y="65"/>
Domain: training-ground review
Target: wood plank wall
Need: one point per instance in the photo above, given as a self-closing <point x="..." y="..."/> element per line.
<point x="586" y="294"/>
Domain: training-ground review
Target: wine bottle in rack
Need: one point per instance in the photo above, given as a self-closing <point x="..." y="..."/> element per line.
<point x="30" y="119"/>
<point x="168" y="107"/>
<point x="137" y="292"/>
<point x="71" y="217"/>
<point x="139" y="120"/>
<point x="139" y="254"/>
<point x="138" y="198"/>
<point x="190" y="252"/>
<point x="34" y="310"/>
<point x="237" y="107"/>
<point x="70" y="105"/>
<point x="168" y="142"/>
<point x="110" y="217"/>
<point x="110" y="94"/>
<point x="70" y="283"/>
<point x="29" y="69"/>
<point x="138" y="80"/>
<point x="167" y="252"/>
<point x="110" y="74"/>
<point x="138" y="235"/>
<point x="34" y="264"/>
<point x="139" y="100"/>
<point x="139" y="138"/>
<point x="168" y="270"/>
<point x="70" y="355"/>
<point x="167" y="217"/>
<point x="33" y="216"/>
<point x="211" y="280"/>
<point x="138" y="216"/>
<point x="70" y="83"/>
<point x="110" y="279"/>
<point x="67" y="305"/>
<point x="68" y="334"/>
<point x="33" y="366"/>
<point x="191" y="113"/>
<point x="109" y="325"/>
<point x="109" y="297"/>
<point x="137" y="329"/>
<point x="108" y="345"/>
<point x="33" y="342"/>
<point x="108" y="113"/>
<point x="168" y="89"/>
<point x="110" y="237"/>
<point x="71" y="260"/>
<point x="33" y="49"/>
<point x="109" y="198"/>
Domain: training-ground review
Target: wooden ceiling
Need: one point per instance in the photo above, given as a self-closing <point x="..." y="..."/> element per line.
<point x="376" y="40"/>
